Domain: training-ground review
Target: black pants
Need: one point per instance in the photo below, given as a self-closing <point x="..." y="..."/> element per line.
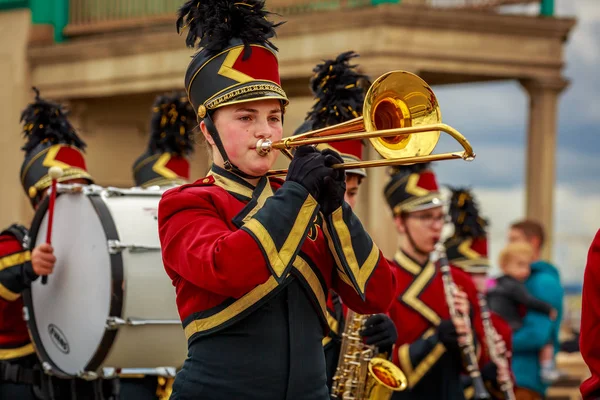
<point x="50" y="388"/>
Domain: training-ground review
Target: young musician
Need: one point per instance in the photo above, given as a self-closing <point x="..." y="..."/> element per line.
<point x="339" y="92"/>
<point x="165" y="161"/>
<point x="251" y="257"/>
<point x="467" y="249"/>
<point x="51" y="140"/>
<point x="427" y="349"/>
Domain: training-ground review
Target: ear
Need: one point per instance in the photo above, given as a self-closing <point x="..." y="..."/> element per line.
<point x="400" y="224"/>
<point x="535" y="242"/>
<point x="207" y="135"/>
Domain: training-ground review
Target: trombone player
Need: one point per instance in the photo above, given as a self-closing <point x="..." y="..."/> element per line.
<point x="339" y="91"/>
<point x="253" y="257"/>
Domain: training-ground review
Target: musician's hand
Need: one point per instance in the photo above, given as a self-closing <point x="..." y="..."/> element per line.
<point x="447" y="335"/>
<point x="503" y="374"/>
<point x="501" y="346"/>
<point x="461" y="302"/>
<point x="42" y="259"/>
<point x="308" y="169"/>
<point x="380" y="331"/>
<point x="334" y="187"/>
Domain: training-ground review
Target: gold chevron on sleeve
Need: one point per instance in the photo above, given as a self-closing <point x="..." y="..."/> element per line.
<point x="227" y="70"/>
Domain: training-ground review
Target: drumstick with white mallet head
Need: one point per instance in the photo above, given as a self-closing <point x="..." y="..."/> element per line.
<point x="55" y="173"/>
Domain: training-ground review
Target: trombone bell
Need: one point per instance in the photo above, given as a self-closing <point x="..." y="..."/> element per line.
<point x="401" y="118"/>
<point x="400" y="99"/>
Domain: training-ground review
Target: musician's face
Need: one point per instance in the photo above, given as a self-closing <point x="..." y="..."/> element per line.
<point x="480" y="281"/>
<point x="352" y="185"/>
<point x="424" y="227"/>
<point x="240" y="126"/>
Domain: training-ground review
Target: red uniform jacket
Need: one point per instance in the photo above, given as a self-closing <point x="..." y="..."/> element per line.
<point x="590" y="321"/>
<point x="419" y="307"/>
<point x="227" y="246"/>
<point x="15" y="274"/>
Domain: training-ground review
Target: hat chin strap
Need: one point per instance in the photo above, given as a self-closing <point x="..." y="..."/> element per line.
<point x="228" y="165"/>
<point x="414" y="245"/>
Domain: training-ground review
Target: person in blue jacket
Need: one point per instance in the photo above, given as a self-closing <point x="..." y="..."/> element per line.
<point x="538" y="328"/>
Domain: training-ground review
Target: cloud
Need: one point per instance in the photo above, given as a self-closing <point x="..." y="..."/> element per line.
<point x="475" y="109"/>
<point x="499" y="165"/>
<point x="575" y="223"/>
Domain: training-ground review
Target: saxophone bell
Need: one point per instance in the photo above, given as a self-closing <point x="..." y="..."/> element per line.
<point x="361" y="373"/>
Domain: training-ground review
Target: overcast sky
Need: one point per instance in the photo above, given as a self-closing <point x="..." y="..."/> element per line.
<point x="497" y="174"/>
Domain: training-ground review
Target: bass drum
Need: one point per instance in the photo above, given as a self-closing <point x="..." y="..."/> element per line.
<point x="109" y="304"/>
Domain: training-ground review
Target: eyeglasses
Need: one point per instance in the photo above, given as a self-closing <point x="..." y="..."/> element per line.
<point x="430" y="219"/>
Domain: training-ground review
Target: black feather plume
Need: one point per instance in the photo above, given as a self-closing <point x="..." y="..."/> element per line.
<point x="464" y="213"/>
<point x="212" y="24"/>
<point x="46" y="122"/>
<point x="172" y="125"/>
<point x="339" y="91"/>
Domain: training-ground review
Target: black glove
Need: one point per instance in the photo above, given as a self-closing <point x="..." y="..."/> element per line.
<point x="446" y="333"/>
<point x="489" y="372"/>
<point x="308" y="169"/>
<point x="334" y="186"/>
<point x="380" y="331"/>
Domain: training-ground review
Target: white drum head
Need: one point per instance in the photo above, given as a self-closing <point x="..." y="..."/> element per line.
<point x="68" y="315"/>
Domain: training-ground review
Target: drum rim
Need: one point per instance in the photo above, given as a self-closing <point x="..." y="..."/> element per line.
<point x="116" y="298"/>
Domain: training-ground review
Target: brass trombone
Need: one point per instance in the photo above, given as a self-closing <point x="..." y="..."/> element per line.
<point x="401" y="118"/>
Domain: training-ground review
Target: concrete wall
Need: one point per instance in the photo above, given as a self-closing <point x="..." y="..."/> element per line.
<point x="14" y="95"/>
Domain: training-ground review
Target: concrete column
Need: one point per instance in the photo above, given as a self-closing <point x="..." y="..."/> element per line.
<point x="541" y="153"/>
<point x="15" y="28"/>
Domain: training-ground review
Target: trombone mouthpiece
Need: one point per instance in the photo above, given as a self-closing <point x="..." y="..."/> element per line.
<point x="263" y="147"/>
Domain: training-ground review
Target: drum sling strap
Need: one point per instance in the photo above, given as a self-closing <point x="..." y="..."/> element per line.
<point x="45" y="386"/>
<point x="17" y="374"/>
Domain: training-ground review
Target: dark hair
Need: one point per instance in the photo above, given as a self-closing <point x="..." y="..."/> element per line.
<point x="530" y="229"/>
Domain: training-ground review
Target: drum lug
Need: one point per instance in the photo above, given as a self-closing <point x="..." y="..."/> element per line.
<point x="88" y="375"/>
<point x="149" y="192"/>
<point x="115" y="247"/>
<point x="48" y="370"/>
<point x="25" y="314"/>
<point x="113" y="323"/>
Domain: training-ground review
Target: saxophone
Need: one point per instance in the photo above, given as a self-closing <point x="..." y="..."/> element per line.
<point x="361" y="374"/>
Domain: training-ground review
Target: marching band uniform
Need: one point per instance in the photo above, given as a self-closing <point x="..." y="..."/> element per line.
<point x="467" y="249"/>
<point x="426" y="349"/>
<point x="51" y="141"/>
<point x="590" y="322"/>
<point x="165" y="161"/>
<point x="339" y="95"/>
<point x="252" y="265"/>
<point x="17" y="355"/>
